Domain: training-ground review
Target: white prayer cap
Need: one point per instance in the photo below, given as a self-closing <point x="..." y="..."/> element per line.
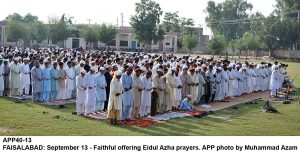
<point x="83" y="71"/>
<point x="189" y="96"/>
<point x="219" y="68"/>
<point x="160" y="70"/>
<point x="185" y="67"/>
<point x="118" y="73"/>
<point x="27" y="59"/>
<point x="197" y="69"/>
<point x="102" y="68"/>
<point x="129" y="64"/>
<point x="143" y="68"/>
<point x="173" y="69"/>
<point x="82" y="62"/>
<point x="93" y="68"/>
<point x="244" y="65"/>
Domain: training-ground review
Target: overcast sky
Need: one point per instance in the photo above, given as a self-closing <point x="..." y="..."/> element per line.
<point x="109" y="10"/>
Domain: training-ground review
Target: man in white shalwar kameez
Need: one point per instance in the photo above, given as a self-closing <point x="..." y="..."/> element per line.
<point x="178" y="84"/>
<point x="137" y="89"/>
<point x="230" y="82"/>
<point x="224" y="82"/>
<point x="170" y="80"/>
<point x="91" y="92"/>
<point x="194" y="85"/>
<point x="81" y="92"/>
<point x="275" y="81"/>
<point x="70" y="76"/>
<point x="146" y="94"/>
<point x="115" y="99"/>
<point x="25" y="76"/>
<point x="15" y="80"/>
<point x="100" y="90"/>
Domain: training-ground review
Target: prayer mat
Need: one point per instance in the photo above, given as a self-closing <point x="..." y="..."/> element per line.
<point x="59" y="102"/>
<point x="195" y="113"/>
<point x="98" y="116"/>
<point x="141" y="122"/>
<point x="169" y="115"/>
<point x="23" y="97"/>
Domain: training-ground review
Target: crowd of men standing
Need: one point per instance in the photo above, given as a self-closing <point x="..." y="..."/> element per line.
<point x="129" y="85"/>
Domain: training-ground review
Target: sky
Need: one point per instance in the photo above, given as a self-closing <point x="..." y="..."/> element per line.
<point x="109" y="11"/>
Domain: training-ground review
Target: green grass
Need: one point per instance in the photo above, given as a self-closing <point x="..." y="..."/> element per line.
<point x="29" y="119"/>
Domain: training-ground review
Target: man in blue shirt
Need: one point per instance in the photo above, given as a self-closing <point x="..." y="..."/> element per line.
<point x="186" y="104"/>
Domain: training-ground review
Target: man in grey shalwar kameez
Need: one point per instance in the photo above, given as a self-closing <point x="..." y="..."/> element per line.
<point x="37" y="82"/>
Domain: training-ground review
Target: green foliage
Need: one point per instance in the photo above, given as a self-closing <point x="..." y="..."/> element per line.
<point x="251" y="41"/>
<point x="59" y="28"/>
<point x="39" y="31"/>
<point x="190" y="41"/>
<point x="228" y="18"/>
<point x="145" y="23"/>
<point x="106" y="33"/>
<point x="28" y="18"/>
<point x="90" y="34"/>
<point x="17" y="30"/>
<point x="171" y="21"/>
<point x="217" y="43"/>
<point x="174" y="23"/>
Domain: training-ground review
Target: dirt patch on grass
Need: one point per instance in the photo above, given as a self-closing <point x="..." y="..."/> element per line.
<point x="5" y="130"/>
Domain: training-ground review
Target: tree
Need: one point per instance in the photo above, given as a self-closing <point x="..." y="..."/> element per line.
<point x="106" y="33"/>
<point x="174" y="23"/>
<point x="190" y="41"/>
<point x="145" y="23"/>
<point x="14" y="17"/>
<point x="251" y="42"/>
<point x="228" y="18"/>
<point x="217" y="44"/>
<point x="17" y="31"/>
<point x="90" y="34"/>
<point x="240" y="46"/>
<point x="29" y="18"/>
<point x="59" y="29"/>
<point x="171" y="21"/>
<point x="39" y="31"/>
<point x="232" y="45"/>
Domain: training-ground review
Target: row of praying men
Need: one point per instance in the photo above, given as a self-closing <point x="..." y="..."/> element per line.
<point x="148" y="83"/>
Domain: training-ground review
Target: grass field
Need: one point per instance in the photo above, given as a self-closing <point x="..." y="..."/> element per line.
<point x="32" y="119"/>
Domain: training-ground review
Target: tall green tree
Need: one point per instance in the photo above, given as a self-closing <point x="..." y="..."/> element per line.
<point x="39" y="31"/>
<point x="17" y="31"/>
<point x="190" y="41"/>
<point x="228" y="18"/>
<point x="145" y="22"/>
<point x="106" y="33"/>
<point x="251" y="42"/>
<point x="90" y="34"/>
<point x="171" y="21"/>
<point x="59" y="30"/>
<point x="217" y="44"/>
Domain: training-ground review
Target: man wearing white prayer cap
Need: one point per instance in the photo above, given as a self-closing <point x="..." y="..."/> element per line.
<point x="91" y="92"/>
<point x="115" y="99"/>
<point x="15" y="83"/>
<point x="25" y="76"/>
<point x="186" y="82"/>
<point x="170" y="80"/>
<point x="81" y="92"/>
<point x="100" y="90"/>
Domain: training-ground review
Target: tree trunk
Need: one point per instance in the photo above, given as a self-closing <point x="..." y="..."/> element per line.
<point x="247" y="54"/>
